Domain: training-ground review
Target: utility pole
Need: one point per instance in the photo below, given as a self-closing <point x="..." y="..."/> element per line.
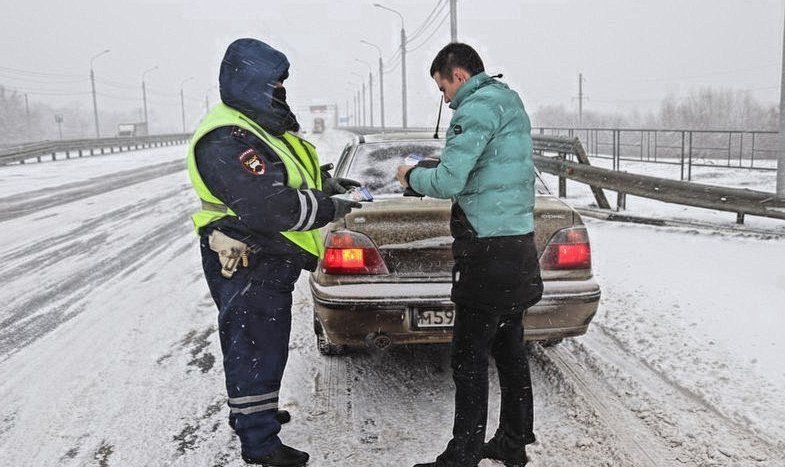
<point x="27" y="119"/>
<point x="381" y="80"/>
<point x="781" y="160"/>
<point x="370" y="94"/>
<point x="403" y="74"/>
<point x="59" y="120"/>
<point x="356" y="110"/>
<point x="403" y="63"/>
<point x="362" y="82"/>
<point x="182" y="100"/>
<point x="453" y="21"/>
<point x="370" y="85"/>
<point x="144" y="97"/>
<point x="92" y="81"/>
<point x="580" y="100"/>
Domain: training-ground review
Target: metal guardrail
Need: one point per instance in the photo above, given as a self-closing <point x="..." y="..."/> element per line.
<point x="740" y="201"/>
<point x="82" y="147"/>
<point x="736" y="149"/>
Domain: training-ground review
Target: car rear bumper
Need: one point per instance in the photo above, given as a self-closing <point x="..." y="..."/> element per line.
<point x="357" y="314"/>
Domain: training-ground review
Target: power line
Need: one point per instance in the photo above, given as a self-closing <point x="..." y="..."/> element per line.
<point x="116" y="84"/>
<point x="37" y="73"/>
<point x="49" y="92"/>
<point x="119" y="98"/>
<point x="435" y="30"/>
<point x="428" y="20"/>
<point x="41" y="79"/>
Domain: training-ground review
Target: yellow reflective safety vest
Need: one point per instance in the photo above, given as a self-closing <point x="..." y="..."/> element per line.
<point x="302" y="170"/>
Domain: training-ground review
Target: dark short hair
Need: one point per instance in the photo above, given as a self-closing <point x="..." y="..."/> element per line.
<point x="456" y="55"/>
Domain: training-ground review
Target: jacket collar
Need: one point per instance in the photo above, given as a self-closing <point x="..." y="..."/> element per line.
<point x="469" y="87"/>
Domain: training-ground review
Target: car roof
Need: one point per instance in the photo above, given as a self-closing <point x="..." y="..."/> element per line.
<point x="397" y="136"/>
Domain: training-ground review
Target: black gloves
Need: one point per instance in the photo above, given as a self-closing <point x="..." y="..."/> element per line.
<point x="428" y="163"/>
<point x="337" y="185"/>
<point x="343" y="207"/>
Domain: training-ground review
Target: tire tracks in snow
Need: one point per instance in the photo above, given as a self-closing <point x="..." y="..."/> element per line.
<point x="633" y="438"/>
<point x="33" y="201"/>
<point x="655" y="420"/>
<point x="35" y="314"/>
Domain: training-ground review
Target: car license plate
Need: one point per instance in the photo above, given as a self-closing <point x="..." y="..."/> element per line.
<point x="434" y="318"/>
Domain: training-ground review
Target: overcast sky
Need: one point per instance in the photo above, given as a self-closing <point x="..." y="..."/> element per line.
<point x="632" y="52"/>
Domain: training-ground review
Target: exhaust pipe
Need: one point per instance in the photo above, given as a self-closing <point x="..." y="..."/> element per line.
<point x="379" y="341"/>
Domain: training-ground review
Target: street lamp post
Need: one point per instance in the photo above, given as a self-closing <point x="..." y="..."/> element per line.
<point x="207" y="98"/>
<point x="95" y="103"/>
<point x="403" y="62"/>
<point x="59" y="121"/>
<point x="182" y="100"/>
<point x="355" y="109"/>
<point x="381" y="80"/>
<point x="370" y="85"/>
<point x="781" y="159"/>
<point x="357" y="104"/>
<point x="362" y="80"/>
<point x="144" y="97"/>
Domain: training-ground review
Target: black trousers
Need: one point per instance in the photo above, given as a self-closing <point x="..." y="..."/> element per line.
<point x="480" y="332"/>
<point x="254" y="323"/>
<point x="495" y="279"/>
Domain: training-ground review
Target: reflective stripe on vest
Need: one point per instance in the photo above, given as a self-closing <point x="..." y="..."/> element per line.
<point x="297" y="155"/>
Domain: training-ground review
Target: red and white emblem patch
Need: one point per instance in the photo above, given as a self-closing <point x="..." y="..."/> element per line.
<point x="252" y="162"/>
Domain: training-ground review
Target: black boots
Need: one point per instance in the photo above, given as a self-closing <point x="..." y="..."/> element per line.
<point x="493" y="449"/>
<point x="283" y="416"/>
<point x="284" y="456"/>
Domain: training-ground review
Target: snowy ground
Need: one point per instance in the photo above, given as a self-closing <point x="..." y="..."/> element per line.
<point x="109" y="354"/>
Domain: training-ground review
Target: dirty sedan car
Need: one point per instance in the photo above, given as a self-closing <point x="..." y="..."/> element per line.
<point x="385" y="277"/>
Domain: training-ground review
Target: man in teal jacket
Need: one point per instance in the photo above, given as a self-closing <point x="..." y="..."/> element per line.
<point x="486" y="168"/>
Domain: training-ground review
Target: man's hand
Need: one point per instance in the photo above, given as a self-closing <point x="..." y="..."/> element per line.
<point x="343" y="207"/>
<point x="401" y="176"/>
<point x="337" y="185"/>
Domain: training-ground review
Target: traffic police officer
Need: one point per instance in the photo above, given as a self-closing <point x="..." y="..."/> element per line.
<point x="263" y="198"/>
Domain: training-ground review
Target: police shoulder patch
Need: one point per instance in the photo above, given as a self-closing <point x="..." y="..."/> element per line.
<point x="457" y="129"/>
<point x="252" y="162"/>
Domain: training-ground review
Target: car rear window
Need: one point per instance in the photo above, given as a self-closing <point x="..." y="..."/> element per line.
<point x="375" y="164"/>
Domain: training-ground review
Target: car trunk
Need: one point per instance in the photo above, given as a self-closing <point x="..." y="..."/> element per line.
<point x="413" y="234"/>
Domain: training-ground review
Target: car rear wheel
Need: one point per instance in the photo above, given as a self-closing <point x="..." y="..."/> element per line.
<point x="324" y="345"/>
<point x="326" y="348"/>
<point x="551" y="342"/>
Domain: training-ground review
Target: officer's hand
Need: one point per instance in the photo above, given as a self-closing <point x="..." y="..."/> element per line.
<point x="343" y="207"/>
<point x="337" y="185"/>
<point x="325" y="169"/>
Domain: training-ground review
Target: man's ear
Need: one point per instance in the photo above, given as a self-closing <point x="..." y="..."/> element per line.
<point x="460" y="74"/>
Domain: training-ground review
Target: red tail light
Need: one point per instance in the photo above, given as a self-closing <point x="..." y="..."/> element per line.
<point x="349" y="252"/>
<point x="568" y="249"/>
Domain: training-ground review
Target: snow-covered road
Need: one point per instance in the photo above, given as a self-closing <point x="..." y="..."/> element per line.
<point x="109" y="354"/>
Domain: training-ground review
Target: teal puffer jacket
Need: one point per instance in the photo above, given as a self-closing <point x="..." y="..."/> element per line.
<point x="487" y="165"/>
